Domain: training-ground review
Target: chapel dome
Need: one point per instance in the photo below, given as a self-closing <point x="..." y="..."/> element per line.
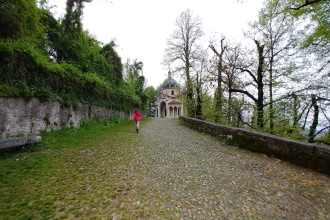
<point x="169" y="82"/>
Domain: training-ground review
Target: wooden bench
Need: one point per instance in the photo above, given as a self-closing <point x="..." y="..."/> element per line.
<point x="19" y="141"/>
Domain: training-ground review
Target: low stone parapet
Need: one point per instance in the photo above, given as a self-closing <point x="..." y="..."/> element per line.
<point x="17" y="142"/>
<point x="310" y="155"/>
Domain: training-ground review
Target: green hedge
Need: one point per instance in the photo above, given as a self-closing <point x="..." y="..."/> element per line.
<point x="26" y="72"/>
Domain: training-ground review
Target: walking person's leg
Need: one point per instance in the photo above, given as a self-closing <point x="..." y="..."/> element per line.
<point x="137" y="126"/>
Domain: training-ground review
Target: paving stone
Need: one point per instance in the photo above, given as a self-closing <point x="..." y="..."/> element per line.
<point x="183" y="174"/>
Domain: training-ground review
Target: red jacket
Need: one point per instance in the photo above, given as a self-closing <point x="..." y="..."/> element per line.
<point x="137" y="116"/>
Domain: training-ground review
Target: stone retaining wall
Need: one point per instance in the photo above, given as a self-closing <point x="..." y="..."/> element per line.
<point x="314" y="156"/>
<point x="19" y="117"/>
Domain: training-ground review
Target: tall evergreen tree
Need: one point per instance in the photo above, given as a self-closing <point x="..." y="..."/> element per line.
<point x="109" y="52"/>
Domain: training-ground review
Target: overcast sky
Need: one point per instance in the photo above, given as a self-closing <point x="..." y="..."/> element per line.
<point x="141" y="27"/>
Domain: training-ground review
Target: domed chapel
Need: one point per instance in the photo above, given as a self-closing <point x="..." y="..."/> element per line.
<point x="167" y="105"/>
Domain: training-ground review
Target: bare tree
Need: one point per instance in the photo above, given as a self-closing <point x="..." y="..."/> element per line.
<point x="256" y="73"/>
<point x="226" y="68"/>
<point x="235" y="102"/>
<point x="183" y="49"/>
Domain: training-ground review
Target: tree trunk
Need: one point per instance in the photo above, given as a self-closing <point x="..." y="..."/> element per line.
<point x="260" y="85"/>
<point x="230" y="114"/>
<point x="271" y="106"/>
<point x="198" y="104"/>
<point x="198" y="107"/>
<point x="295" y="110"/>
<point x="190" y="92"/>
<point x="313" y="127"/>
<point x="218" y="94"/>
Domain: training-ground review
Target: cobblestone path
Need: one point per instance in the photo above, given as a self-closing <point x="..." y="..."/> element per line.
<point x="178" y="173"/>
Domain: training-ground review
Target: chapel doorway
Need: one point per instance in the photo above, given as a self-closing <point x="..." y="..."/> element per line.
<point x="163" y="110"/>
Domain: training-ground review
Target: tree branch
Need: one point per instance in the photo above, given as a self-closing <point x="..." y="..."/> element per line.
<point x="328" y="127"/>
<point x="250" y="73"/>
<point x="306" y="4"/>
<point x="244" y="92"/>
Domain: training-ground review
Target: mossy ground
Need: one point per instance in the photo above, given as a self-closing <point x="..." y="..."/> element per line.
<point x="67" y="175"/>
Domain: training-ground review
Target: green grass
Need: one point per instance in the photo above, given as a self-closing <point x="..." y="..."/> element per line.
<point x="64" y="176"/>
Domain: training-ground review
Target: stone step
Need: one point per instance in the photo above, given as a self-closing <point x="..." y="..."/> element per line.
<point x="19" y="141"/>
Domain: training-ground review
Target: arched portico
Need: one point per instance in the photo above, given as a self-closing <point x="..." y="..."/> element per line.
<point x="163" y="112"/>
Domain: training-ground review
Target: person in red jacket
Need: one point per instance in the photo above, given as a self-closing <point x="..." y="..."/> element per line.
<point x="136" y="117"/>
